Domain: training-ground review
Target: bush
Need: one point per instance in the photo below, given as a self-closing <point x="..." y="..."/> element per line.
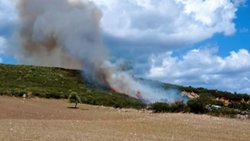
<point x="198" y="105"/>
<point x="178" y="107"/>
<point x="160" y="107"/>
<point x="240" y="106"/>
<point x="165" y="107"/>
<point x="74" y="98"/>
<point x="224" y="111"/>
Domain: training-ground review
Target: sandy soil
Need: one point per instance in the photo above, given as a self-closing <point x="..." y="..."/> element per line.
<point x="52" y="120"/>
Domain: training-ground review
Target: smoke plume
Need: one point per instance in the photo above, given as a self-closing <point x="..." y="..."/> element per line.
<point x="66" y="33"/>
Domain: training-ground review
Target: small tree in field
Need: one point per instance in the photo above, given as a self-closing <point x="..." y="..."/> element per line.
<point x="74" y="98"/>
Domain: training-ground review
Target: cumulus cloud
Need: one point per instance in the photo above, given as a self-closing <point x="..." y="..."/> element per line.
<point x="204" y="68"/>
<point x="8" y="16"/>
<point x="168" y="23"/>
<point x="135" y="29"/>
<point x="2" y="47"/>
<point x="8" y="19"/>
<point x="146" y="26"/>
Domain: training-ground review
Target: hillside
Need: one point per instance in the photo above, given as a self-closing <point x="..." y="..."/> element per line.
<point x="58" y="83"/>
<point x="46" y="82"/>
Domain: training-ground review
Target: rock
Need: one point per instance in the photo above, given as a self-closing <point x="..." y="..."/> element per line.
<point x="190" y="95"/>
<point x="24" y="96"/>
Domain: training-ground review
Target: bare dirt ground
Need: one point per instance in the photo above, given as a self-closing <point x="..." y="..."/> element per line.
<point x="51" y="120"/>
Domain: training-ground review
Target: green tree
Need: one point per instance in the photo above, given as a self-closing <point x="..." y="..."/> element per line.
<point x="159" y="107"/>
<point x="198" y="105"/>
<point x="74" y="98"/>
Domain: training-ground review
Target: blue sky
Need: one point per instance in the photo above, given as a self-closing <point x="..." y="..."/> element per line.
<point x="187" y="42"/>
<point x="241" y="39"/>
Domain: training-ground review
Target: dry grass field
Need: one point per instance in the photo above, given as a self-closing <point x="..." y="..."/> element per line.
<point x="51" y="120"/>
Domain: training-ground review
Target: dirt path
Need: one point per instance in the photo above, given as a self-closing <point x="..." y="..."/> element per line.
<point x="47" y="120"/>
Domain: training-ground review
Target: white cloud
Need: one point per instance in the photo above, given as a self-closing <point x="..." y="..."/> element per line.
<point x="8" y="19"/>
<point x="155" y="26"/>
<point x="205" y="68"/>
<point x="2" y="47"/>
<point x="168" y="21"/>
<point x="7" y="12"/>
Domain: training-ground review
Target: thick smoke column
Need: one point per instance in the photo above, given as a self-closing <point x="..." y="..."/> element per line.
<point x="66" y="33"/>
<point x="60" y="32"/>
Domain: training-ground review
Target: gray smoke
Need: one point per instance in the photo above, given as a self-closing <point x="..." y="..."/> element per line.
<point x="62" y="33"/>
<point x="66" y="33"/>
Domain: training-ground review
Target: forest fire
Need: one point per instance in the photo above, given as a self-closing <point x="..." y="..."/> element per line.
<point x="44" y="40"/>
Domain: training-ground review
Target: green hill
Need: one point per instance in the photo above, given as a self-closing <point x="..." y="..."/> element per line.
<point x="58" y="83"/>
<point x="47" y="82"/>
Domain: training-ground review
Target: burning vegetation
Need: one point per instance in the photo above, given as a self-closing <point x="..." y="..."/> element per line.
<point x="66" y="33"/>
<point x="59" y="83"/>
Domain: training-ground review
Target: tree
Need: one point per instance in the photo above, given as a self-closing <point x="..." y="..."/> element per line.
<point x="74" y="98"/>
<point x="198" y="105"/>
<point x="159" y="107"/>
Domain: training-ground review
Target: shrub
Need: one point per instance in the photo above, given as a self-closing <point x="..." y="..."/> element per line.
<point x="165" y="107"/>
<point x="178" y="107"/>
<point x="74" y="98"/>
<point x="224" y="111"/>
<point x="160" y="107"/>
<point x="198" y="105"/>
<point x="240" y="106"/>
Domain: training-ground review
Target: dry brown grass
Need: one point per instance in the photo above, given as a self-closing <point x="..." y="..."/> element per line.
<point x="51" y="120"/>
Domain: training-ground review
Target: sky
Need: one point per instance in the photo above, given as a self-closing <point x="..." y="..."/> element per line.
<point x="187" y="42"/>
